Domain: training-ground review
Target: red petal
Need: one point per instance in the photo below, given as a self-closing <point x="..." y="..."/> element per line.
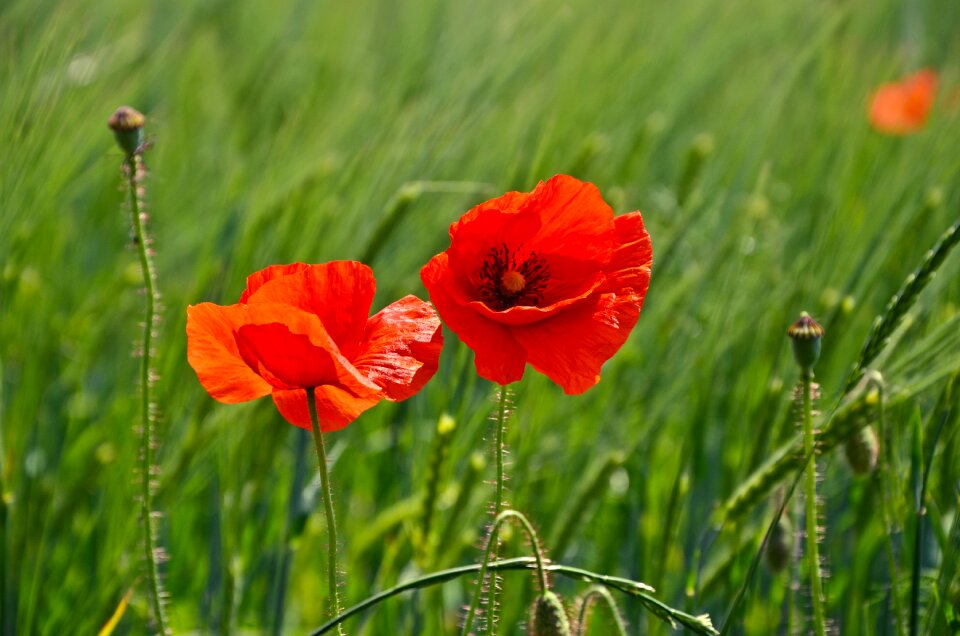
<point x="498" y="356"/>
<point x="256" y="280"/>
<point x="335" y="407"/>
<point x="575" y="221"/>
<point x="213" y="353"/>
<point x="571" y="347"/>
<point x="339" y="292"/>
<point x="401" y="349"/>
<point x="288" y="360"/>
<point x="633" y="247"/>
<point x="630" y="266"/>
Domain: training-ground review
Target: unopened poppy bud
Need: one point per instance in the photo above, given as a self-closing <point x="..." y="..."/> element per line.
<point x="806" y="334"/>
<point x="781" y="545"/>
<point x="862" y="451"/>
<point x="127" y="125"/>
<point x="548" y="616"/>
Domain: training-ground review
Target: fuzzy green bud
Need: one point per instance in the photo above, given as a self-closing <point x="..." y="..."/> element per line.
<point x="548" y="616"/>
<point x="862" y="451"/>
<point x="806" y="334"/>
<point x="127" y="126"/>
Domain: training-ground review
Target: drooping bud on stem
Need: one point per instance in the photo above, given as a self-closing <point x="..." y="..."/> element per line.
<point x="548" y="616"/>
<point x="862" y="451"/>
<point x="805" y="334"/>
<point x="127" y="126"/>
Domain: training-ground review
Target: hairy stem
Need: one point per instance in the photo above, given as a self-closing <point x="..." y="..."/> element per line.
<point x="488" y="556"/>
<point x="492" y="545"/>
<point x="146" y="420"/>
<point x="333" y="600"/>
<point x="813" y="553"/>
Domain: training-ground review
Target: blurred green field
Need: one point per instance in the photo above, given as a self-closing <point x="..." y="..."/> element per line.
<point x="289" y="130"/>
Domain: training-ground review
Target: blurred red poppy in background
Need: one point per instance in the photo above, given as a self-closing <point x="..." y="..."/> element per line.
<point x="300" y="327"/>
<point x="548" y="277"/>
<point x="901" y="108"/>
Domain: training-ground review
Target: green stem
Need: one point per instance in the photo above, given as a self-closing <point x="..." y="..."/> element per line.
<point x="813" y="553"/>
<point x="640" y="591"/>
<point x="501" y="421"/>
<point x="497" y="508"/>
<point x="488" y="555"/>
<point x="333" y="601"/>
<point x="146" y="451"/>
<point x="599" y="592"/>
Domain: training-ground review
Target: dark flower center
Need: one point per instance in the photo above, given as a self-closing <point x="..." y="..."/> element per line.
<point x="507" y="281"/>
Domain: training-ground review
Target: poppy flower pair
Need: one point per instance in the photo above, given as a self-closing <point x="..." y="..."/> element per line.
<point x="548" y="278"/>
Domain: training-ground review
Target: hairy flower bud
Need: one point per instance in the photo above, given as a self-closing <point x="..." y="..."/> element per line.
<point x="548" y="616"/>
<point x="127" y="125"/>
<point x="862" y="451"/>
<point x="806" y="334"/>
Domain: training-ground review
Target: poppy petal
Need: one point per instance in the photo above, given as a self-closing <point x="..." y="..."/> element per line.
<point x="339" y="293"/>
<point x="499" y="357"/>
<point x="571" y="347"/>
<point x="212" y="352"/>
<point x="256" y="280"/>
<point x="574" y="219"/>
<point x="401" y="349"/>
<point x="290" y="360"/>
<point x="336" y="407"/>
<point x="633" y="243"/>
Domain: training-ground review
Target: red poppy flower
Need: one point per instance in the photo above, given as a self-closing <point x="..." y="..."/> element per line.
<point x="300" y="327"/>
<point x="548" y="277"/>
<point x="902" y="107"/>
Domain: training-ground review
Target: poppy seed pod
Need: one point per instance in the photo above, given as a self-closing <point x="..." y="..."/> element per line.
<point x="127" y="126"/>
<point x="806" y="334"/>
<point x="548" y="616"/>
<point x="862" y="451"/>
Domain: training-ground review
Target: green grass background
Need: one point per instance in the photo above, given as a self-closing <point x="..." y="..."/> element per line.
<point x="284" y="130"/>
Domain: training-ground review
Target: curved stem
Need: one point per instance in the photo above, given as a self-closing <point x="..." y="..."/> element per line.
<point x="600" y="592"/>
<point x="813" y="553"/>
<point x="146" y="451"/>
<point x="641" y="591"/>
<point x="488" y="553"/>
<point x="333" y="601"/>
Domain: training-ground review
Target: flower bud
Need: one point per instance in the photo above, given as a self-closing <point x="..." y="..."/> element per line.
<point x="806" y="334"/>
<point x="548" y="617"/>
<point x="862" y="451"/>
<point x="127" y="125"/>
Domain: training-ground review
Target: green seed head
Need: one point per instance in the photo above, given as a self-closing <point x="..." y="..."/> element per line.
<point x="548" y="616"/>
<point x="806" y="334"/>
<point x="127" y="125"/>
<point x="862" y="451"/>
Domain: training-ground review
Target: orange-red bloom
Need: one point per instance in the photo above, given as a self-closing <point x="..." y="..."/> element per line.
<point x="901" y="108"/>
<point x="548" y="277"/>
<point x="300" y="327"/>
